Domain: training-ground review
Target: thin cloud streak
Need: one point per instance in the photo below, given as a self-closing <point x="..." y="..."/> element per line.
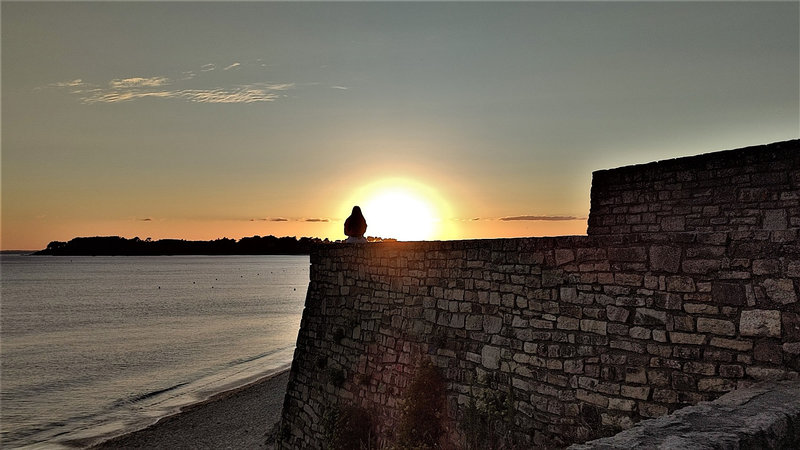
<point x="135" y="88"/>
<point x="259" y="92"/>
<point x="138" y="82"/>
<point x="549" y="218"/>
<point x="316" y="220"/>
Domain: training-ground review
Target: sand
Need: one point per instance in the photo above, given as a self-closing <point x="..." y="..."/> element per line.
<point x="237" y="419"/>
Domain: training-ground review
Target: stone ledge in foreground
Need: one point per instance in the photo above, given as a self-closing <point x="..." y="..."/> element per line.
<point x="765" y="415"/>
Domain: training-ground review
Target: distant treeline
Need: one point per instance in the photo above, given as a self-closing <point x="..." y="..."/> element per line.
<point x="115" y="245"/>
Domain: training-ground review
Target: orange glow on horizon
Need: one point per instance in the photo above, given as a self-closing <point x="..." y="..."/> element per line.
<point x="403" y="209"/>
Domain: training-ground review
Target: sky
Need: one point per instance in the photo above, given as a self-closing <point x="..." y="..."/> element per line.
<point x="200" y="120"/>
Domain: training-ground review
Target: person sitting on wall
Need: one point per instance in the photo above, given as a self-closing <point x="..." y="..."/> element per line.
<point x="355" y="226"/>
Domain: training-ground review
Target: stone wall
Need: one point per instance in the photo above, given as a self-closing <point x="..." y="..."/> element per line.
<point x="751" y="188"/>
<point x="586" y="335"/>
<point x="553" y="341"/>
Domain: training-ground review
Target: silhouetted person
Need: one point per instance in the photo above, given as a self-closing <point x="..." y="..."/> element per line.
<point x="355" y="226"/>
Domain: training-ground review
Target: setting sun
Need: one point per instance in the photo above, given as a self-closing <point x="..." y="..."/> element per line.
<point x="401" y="209"/>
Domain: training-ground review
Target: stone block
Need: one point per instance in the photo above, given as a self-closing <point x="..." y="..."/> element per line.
<point x="665" y="396"/>
<point x="474" y="322"/>
<point x="627" y="254"/>
<point x="680" y="284"/>
<point x="791" y="326"/>
<point x="731" y="371"/>
<point x="775" y="219"/>
<point x="665" y="259"/>
<point x="728" y="294"/>
<point x="567" y="323"/>
<point x="716" y="326"/>
<point x="492" y="324"/>
<point x="628" y="279"/>
<point x="716" y="385"/>
<point x="590" y="397"/>
<point x="637" y="392"/>
<point x="686" y="338"/>
<point x="594" y="326"/>
<point x="732" y="344"/>
<point x="766" y="266"/>
<point x="573" y="366"/>
<point x="635" y="375"/>
<point x="646" y="316"/>
<point x="617" y="314"/>
<point x="700" y="308"/>
<point x="780" y="290"/>
<point x="792" y="348"/>
<point x="677" y="223"/>
<point x="761" y="373"/>
<point x="700" y="368"/>
<point x="568" y="294"/>
<point x="639" y="333"/>
<point x="770" y="352"/>
<point x="490" y="357"/>
<point x="760" y="322"/>
<point x="564" y="256"/>
<point x="701" y="266"/>
<point x="621" y="404"/>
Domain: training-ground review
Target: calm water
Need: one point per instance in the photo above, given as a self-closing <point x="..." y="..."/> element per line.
<point x="91" y="346"/>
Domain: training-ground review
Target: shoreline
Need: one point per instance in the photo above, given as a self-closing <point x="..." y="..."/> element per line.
<point x="236" y="418"/>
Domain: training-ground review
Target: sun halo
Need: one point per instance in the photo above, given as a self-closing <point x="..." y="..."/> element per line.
<point x="401" y="209"/>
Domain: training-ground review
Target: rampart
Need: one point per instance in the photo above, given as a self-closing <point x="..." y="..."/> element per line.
<point x="552" y="341"/>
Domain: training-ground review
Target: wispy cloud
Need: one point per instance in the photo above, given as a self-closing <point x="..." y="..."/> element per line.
<point x="146" y="219"/>
<point x="138" y="82"/>
<point x="68" y="84"/>
<point x="316" y="220"/>
<point x="270" y="219"/>
<point x="510" y="218"/>
<point x="128" y="90"/>
<point x="343" y="88"/>
<point x="191" y="86"/>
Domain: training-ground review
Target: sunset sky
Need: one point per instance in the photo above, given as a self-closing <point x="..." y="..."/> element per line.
<point x="199" y="120"/>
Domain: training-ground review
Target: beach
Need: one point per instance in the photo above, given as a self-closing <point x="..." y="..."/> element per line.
<point x="235" y="419"/>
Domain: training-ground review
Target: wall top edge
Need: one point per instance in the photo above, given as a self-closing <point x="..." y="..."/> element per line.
<point x="778" y="150"/>
<point x="522" y="244"/>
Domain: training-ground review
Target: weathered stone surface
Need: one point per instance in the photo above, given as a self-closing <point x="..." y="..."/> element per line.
<point x="760" y="322"/>
<point x="594" y="326"/>
<point x="492" y="324"/>
<point x="775" y="219"/>
<point x="490" y="357"/>
<point x="617" y="314"/>
<point x="764" y="416"/>
<point x="728" y="294"/>
<point x="680" y="284"/>
<point x="646" y="316"/>
<point x="665" y="259"/>
<point x="716" y="326"/>
<point x="780" y="290"/>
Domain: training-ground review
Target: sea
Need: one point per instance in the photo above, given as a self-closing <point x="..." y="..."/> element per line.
<point x="92" y="347"/>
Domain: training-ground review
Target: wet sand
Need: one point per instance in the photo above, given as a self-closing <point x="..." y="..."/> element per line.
<point x="236" y="419"/>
